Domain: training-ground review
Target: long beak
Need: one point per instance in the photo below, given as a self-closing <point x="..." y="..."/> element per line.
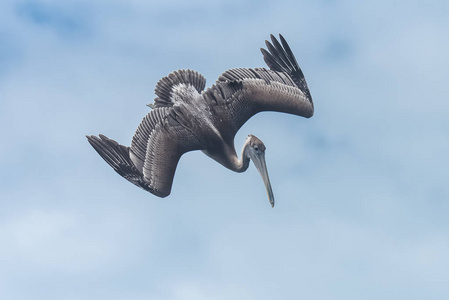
<point x="261" y="165"/>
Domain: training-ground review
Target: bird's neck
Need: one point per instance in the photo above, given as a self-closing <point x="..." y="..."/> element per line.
<point x="240" y="165"/>
<point x="227" y="156"/>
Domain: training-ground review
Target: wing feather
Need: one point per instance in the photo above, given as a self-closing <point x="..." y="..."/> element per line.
<point x="241" y="93"/>
<point x="117" y="156"/>
<point x="166" y="146"/>
<point x="143" y="132"/>
<point x="162" y="137"/>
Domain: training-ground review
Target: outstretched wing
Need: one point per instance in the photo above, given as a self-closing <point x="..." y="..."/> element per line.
<point x="161" y="139"/>
<point x="240" y="93"/>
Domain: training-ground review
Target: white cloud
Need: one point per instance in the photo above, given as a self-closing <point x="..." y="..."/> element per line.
<point x="61" y="241"/>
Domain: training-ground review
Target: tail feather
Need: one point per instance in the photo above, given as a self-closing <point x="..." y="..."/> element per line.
<point x="166" y="86"/>
<point x="117" y="156"/>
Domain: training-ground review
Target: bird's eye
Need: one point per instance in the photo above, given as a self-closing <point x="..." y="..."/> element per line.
<point x="256" y="148"/>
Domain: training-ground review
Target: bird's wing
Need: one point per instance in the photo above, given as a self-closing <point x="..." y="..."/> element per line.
<point x="240" y="93"/>
<point x="162" y="137"/>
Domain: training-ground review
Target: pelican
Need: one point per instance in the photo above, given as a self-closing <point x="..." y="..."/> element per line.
<point x="185" y="117"/>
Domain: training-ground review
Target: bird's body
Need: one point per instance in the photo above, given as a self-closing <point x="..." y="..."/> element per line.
<point x="186" y="118"/>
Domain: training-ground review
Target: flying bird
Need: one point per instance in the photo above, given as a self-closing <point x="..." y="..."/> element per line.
<point x="185" y="117"/>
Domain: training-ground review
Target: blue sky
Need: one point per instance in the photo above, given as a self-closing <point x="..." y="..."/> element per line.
<point x="361" y="188"/>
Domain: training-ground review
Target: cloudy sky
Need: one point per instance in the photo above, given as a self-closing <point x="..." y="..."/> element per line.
<point x="361" y="188"/>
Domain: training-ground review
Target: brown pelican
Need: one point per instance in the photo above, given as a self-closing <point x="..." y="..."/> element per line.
<point x="186" y="118"/>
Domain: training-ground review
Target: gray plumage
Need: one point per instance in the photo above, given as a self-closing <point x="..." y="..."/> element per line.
<point x="186" y="118"/>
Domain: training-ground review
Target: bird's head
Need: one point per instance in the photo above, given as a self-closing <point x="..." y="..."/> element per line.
<point x="256" y="152"/>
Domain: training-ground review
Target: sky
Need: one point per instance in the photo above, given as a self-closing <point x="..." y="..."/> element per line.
<point x="361" y="187"/>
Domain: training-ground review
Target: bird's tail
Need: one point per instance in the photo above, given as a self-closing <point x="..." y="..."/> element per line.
<point x="280" y="58"/>
<point x="177" y="82"/>
<point x="117" y="156"/>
